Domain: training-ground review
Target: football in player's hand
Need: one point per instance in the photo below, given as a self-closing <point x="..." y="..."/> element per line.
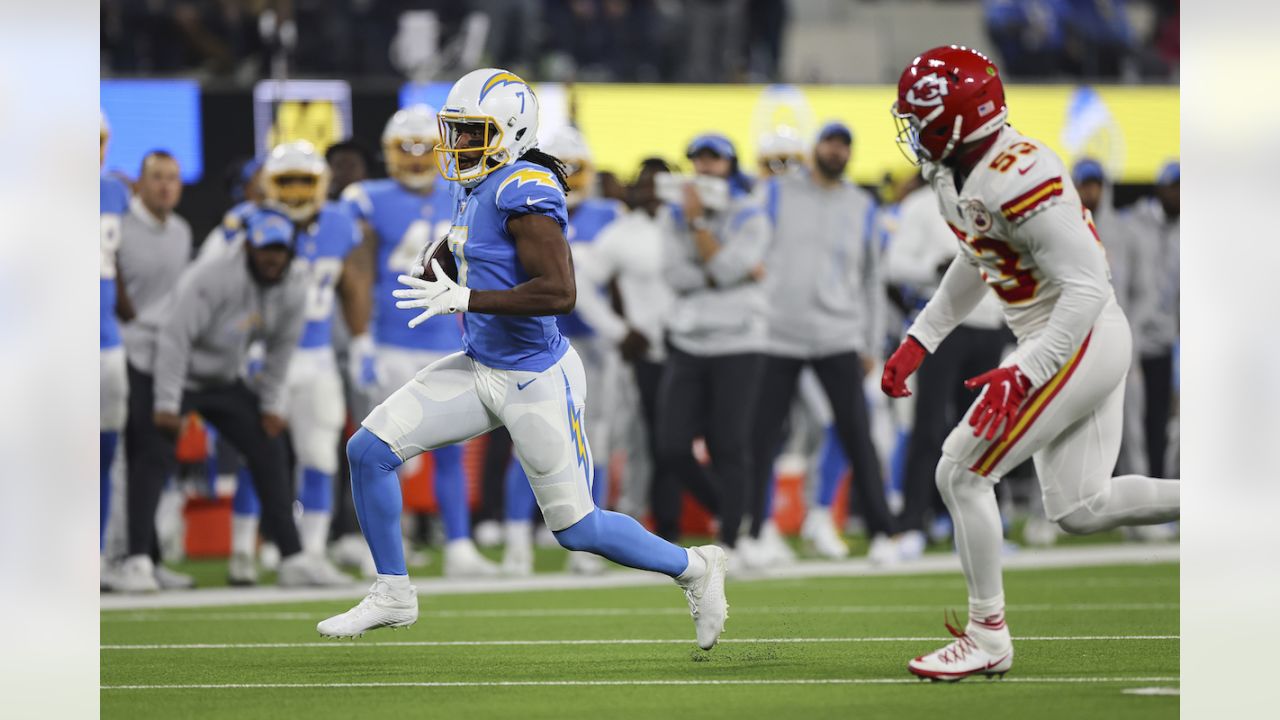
<point x="439" y="251"/>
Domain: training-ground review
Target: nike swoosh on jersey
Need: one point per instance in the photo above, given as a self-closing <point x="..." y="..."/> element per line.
<point x="530" y="201"/>
<point x="1023" y="171"/>
<point x="523" y="385"/>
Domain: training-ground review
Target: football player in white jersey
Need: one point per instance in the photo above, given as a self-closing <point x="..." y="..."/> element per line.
<point x="1058" y="398"/>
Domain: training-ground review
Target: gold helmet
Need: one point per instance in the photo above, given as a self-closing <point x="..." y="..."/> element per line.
<point x="408" y="144"/>
<point x="295" y="180"/>
<point x="779" y="151"/>
<point x="568" y="146"/>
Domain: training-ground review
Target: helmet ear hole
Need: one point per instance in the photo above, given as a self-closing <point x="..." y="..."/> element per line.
<point x="520" y="133"/>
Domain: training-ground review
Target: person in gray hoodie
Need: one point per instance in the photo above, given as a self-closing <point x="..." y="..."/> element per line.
<point x="219" y="306"/>
<point x="826" y="299"/>
<point x="716" y="332"/>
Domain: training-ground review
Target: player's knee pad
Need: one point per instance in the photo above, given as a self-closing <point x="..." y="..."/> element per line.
<point x="542" y="448"/>
<point x="317" y="450"/>
<point x="1090" y="517"/>
<point x="584" y="535"/>
<point x="368" y="454"/>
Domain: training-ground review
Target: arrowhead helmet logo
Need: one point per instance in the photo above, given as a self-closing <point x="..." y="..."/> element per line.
<point x="928" y="91"/>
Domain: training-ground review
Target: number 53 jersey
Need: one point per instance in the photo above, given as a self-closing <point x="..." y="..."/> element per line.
<point x="1017" y="180"/>
<point x="404" y="222"/>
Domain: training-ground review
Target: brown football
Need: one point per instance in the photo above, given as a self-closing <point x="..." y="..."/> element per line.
<point x="440" y="252"/>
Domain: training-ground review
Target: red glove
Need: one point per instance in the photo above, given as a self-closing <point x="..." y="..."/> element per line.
<point x="904" y="361"/>
<point x="1006" y="389"/>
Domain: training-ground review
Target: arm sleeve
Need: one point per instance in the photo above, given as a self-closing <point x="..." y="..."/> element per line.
<point x="192" y="309"/>
<point x="958" y="294"/>
<point x="280" y="343"/>
<point x="744" y="245"/>
<point x="592" y="269"/>
<point x="1069" y="256"/>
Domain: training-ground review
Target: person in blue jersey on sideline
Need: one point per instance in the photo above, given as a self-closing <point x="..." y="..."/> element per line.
<point x="588" y="216"/>
<point x="401" y="215"/>
<point x="114" y="393"/>
<point x="514" y="273"/>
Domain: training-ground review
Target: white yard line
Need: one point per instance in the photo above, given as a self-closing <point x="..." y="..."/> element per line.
<point x="622" y="641"/>
<point x="178" y="617"/>
<point x="930" y="564"/>
<point x="616" y="683"/>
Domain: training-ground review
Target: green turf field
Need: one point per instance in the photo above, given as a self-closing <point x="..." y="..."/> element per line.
<point x="813" y="648"/>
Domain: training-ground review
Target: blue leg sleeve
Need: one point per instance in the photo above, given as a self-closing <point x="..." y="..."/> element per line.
<point x="107" y="442"/>
<point x="316" y="494"/>
<point x="245" y="501"/>
<point x="451" y="492"/>
<point x="831" y="469"/>
<point x="375" y="488"/>
<point x="620" y="538"/>
<point x="599" y="485"/>
<point x="520" y="501"/>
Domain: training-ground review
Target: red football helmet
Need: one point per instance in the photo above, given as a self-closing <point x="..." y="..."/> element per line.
<point x="947" y="96"/>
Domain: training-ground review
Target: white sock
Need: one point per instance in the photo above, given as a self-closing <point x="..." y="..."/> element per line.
<point x="398" y="584"/>
<point x="518" y="532"/>
<point x="696" y="569"/>
<point x="244" y="534"/>
<point x="313" y="529"/>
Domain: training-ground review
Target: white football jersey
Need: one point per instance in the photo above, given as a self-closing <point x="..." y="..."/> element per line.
<point x="1015" y="180"/>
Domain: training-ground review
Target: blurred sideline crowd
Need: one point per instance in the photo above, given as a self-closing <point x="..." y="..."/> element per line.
<point x="728" y="318"/>
<point x="593" y="40"/>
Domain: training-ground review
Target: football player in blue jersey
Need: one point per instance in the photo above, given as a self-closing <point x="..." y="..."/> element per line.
<point x="328" y="244"/>
<point x="588" y="215"/>
<point x="401" y="215"/>
<point x="114" y="393"/>
<point x="514" y="273"/>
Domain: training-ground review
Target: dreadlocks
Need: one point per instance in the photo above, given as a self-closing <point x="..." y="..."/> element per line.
<point x="550" y="162"/>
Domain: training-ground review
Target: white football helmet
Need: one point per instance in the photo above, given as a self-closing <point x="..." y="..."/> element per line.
<point x="779" y="151"/>
<point x="495" y="107"/>
<point x="408" y="144"/>
<point x="295" y="180"/>
<point x="568" y="146"/>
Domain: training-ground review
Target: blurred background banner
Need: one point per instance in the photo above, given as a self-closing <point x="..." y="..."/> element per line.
<point x="1133" y="130"/>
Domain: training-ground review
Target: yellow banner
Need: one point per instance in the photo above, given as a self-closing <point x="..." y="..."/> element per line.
<point x="1132" y="130"/>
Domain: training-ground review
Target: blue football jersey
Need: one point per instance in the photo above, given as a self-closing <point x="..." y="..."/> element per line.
<point x="113" y="203"/>
<point x="323" y="245"/>
<point x="486" y="257"/>
<point x="405" y="222"/>
<point x="585" y="223"/>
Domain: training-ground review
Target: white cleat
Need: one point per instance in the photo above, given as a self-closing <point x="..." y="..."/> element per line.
<point x="242" y="571"/>
<point x="707" y="602"/>
<point x="517" y="554"/>
<point x="135" y="575"/>
<point x="747" y="556"/>
<point x="306" y="570"/>
<point x="883" y="551"/>
<point x="819" y="531"/>
<point x="173" y="580"/>
<point x="463" y="560"/>
<point x="775" y="547"/>
<point x="269" y="556"/>
<point x="585" y="563"/>
<point x="974" y="652"/>
<point x="382" y="607"/>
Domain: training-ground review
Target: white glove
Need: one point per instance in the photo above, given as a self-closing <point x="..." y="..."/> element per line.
<point x="420" y="263"/>
<point x="441" y="296"/>
<point x="361" y="367"/>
